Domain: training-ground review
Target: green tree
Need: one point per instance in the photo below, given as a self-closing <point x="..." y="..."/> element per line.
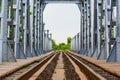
<point x="68" y="43"/>
<point x="68" y="40"/>
<point x="54" y="45"/>
<point x="61" y="46"/>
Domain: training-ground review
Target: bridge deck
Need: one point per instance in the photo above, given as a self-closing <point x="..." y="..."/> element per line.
<point x="9" y="67"/>
<point x="109" y="66"/>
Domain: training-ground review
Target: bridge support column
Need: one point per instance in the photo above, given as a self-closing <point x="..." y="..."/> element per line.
<point x="32" y="27"/>
<point x="107" y="25"/>
<point x="18" y="49"/>
<point x="36" y="27"/>
<point x="50" y="42"/>
<point x="82" y="28"/>
<point x="92" y="26"/>
<point x="101" y="45"/>
<point x="44" y="42"/>
<point x="73" y="43"/>
<point x="78" y="35"/>
<point x="47" y="41"/>
<point x="98" y="27"/>
<point x="3" y="30"/>
<point x="26" y="29"/>
<point x="85" y="27"/>
<point x="118" y="33"/>
<point x="88" y="27"/>
<point x="41" y="27"/>
<point x="115" y="53"/>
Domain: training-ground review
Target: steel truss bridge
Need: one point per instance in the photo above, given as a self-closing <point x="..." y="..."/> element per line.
<point x="22" y="32"/>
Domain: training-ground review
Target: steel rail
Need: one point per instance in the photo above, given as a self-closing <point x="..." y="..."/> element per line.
<point x="90" y="73"/>
<point x="26" y="75"/>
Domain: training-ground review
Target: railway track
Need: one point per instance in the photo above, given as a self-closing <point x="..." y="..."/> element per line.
<point x="63" y="66"/>
<point x="25" y="69"/>
<point x="99" y="73"/>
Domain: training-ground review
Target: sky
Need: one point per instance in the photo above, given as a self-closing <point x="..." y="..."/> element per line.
<point x="63" y="20"/>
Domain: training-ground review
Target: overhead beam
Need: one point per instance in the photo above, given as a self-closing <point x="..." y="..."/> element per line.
<point x="61" y="1"/>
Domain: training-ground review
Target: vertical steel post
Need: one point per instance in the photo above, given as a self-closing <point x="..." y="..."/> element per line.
<point x="85" y="26"/>
<point x="16" y="39"/>
<point x="25" y="28"/>
<point x="47" y="42"/>
<point x="78" y="42"/>
<point x="88" y="27"/>
<point x="31" y="25"/>
<point x="50" y="41"/>
<point x="43" y="41"/>
<point x="118" y="33"/>
<point x="98" y="26"/>
<point x="3" y="30"/>
<point x="76" y="39"/>
<point x="80" y="33"/>
<point x="41" y="28"/>
<point x="38" y="26"/>
<point x="81" y="26"/>
<point x="107" y="23"/>
<point x="92" y="25"/>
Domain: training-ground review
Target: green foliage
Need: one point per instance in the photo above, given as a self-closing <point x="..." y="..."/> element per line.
<point x="61" y="46"/>
<point x="11" y="32"/>
<point x="112" y="33"/>
<point x="54" y="45"/>
<point x="0" y="5"/>
<point x="30" y="13"/>
<point x="12" y="1"/>
<point x="68" y="40"/>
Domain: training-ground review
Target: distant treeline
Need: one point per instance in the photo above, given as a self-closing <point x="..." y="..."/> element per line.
<point x="61" y="46"/>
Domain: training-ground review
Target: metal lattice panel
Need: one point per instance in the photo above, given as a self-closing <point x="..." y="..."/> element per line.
<point x="61" y="1"/>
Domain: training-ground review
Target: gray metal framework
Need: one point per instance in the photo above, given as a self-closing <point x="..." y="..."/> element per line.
<point x="22" y="31"/>
<point x="99" y="31"/>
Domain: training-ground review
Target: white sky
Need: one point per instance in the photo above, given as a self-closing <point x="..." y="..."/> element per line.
<point x="63" y="20"/>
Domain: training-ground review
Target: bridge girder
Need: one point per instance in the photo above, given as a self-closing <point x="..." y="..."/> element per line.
<point x="24" y="20"/>
<point x="99" y="30"/>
